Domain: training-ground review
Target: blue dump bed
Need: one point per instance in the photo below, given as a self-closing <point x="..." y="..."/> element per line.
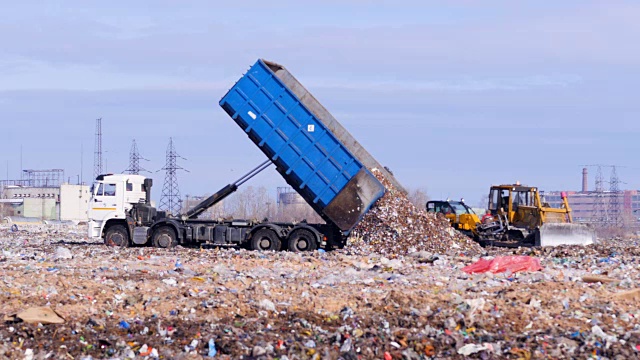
<point x="306" y="153"/>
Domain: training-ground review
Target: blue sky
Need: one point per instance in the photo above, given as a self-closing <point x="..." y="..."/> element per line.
<point x="452" y="96"/>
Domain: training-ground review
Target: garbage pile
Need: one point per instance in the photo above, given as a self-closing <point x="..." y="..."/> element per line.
<point x="395" y="226"/>
<point x="64" y="296"/>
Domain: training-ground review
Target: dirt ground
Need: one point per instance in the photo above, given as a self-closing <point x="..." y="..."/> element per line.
<point x="171" y="304"/>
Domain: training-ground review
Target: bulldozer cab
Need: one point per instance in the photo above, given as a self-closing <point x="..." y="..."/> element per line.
<point x="519" y="205"/>
<point x="461" y="216"/>
<point x="522" y="207"/>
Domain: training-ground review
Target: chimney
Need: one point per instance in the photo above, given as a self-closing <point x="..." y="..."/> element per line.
<point x="585" y="182"/>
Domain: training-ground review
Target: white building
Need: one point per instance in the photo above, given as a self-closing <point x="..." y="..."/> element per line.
<point x="74" y="202"/>
<point x="66" y="202"/>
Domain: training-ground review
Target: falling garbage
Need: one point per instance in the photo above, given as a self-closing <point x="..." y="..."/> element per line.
<point x="394" y="226"/>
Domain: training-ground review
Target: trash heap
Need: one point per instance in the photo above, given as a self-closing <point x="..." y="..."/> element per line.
<point x="394" y="226"/>
<point x="64" y="296"/>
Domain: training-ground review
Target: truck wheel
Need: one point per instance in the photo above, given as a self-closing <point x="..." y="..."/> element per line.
<point x="265" y="239"/>
<point x="164" y="237"/>
<point x="302" y="240"/>
<point x="116" y="235"/>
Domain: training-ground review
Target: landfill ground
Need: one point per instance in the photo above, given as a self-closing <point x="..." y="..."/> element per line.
<point x="149" y="303"/>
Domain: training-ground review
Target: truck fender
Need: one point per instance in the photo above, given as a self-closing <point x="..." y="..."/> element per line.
<point x="171" y="223"/>
<point x="111" y="222"/>
<point x="278" y="229"/>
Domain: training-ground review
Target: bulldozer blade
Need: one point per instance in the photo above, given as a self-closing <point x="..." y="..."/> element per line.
<point x="554" y="234"/>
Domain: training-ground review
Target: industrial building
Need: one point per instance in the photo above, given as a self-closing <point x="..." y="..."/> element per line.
<point x="601" y="207"/>
<point x="41" y="195"/>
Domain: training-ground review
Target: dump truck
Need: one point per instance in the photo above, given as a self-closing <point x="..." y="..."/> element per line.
<point x="312" y="152"/>
<point x="519" y="217"/>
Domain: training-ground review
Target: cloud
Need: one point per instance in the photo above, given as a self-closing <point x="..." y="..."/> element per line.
<point x="514" y="41"/>
<point x="453" y="84"/>
<point x="25" y="74"/>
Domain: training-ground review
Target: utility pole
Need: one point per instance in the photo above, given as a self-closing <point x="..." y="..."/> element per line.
<point x="97" y="155"/>
<point x="170" y="200"/>
<point x="81" y="163"/>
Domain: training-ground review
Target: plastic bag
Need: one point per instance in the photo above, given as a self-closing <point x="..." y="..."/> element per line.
<point x="504" y="263"/>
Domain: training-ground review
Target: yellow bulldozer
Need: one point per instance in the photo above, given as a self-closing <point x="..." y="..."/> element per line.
<point x="518" y="217"/>
<point x="461" y="216"/>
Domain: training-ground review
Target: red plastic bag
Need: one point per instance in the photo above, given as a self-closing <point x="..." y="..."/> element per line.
<point x="503" y="263"/>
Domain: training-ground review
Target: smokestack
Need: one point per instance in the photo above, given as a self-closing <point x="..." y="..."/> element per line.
<point x="585" y="182"/>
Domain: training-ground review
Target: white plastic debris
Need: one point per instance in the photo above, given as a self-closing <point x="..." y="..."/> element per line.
<point x="267" y="305"/>
<point x="471" y="349"/>
<point x="63" y="253"/>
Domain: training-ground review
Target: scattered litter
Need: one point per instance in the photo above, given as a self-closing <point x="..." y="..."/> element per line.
<point x="627" y="295"/>
<point x="39" y="315"/>
<point x="471" y="349"/>
<point x="267" y="305"/>
<point x="170" y="282"/>
<point x="598" y="279"/>
<point x="63" y="253"/>
<point x="232" y="303"/>
<point x="212" y="348"/>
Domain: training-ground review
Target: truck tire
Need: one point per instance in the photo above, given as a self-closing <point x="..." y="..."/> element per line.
<point x="116" y="235"/>
<point x="302" y="240"/>
<point x="265" y="239"/>
<point x="164" y="237"/>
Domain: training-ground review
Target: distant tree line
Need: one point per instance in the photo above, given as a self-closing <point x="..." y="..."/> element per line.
<point x="258" y="203"/>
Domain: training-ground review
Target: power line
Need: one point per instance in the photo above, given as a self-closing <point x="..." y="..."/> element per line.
<point x="170" y="200"/>
<point x="134" y="160"/>
<point x="607" y="209"/>
<point x="599" y="210"/>
<point x="615" y="211"/>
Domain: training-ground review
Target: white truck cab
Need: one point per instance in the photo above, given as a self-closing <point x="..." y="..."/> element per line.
<point x="112" y="197"/>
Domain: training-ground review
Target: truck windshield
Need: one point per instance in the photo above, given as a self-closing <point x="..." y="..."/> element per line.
<point x="103" y="189"/>
<point x="97" y="189"/>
